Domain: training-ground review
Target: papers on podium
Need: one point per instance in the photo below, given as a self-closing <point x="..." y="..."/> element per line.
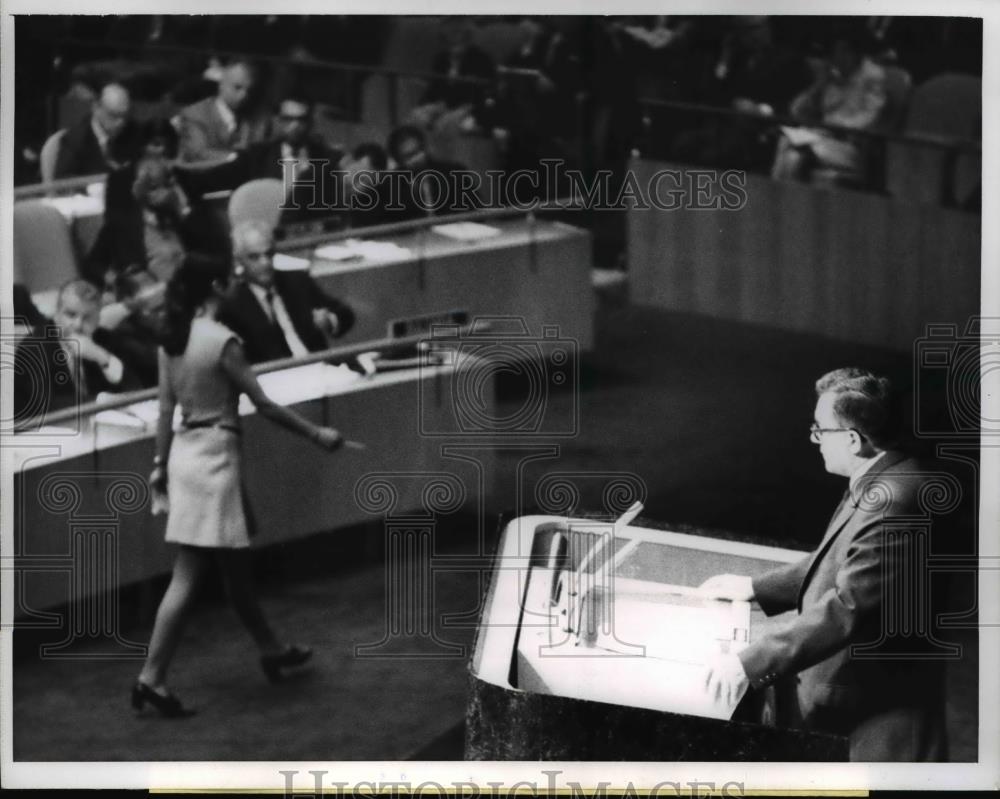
<point x="633" y="643"/>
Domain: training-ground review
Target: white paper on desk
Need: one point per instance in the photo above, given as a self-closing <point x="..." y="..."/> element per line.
<point x="466" y="231"/>
<point x="301" y="384"/>
<point x="643" y="645"/>
<point x="290" y="263"/>
<point x="76" y="205"/>
<point x="352" y="249"/>
<point x="337" y="252"/>
<point x="801" y="137"/>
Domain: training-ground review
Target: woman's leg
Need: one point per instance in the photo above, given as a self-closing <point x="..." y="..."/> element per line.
<point x="190" y="566"/>
<point x="237" y="573"/>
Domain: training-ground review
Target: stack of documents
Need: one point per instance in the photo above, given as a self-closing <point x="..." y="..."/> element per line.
<point x="302" y="383"/>
<point x="76" y="205"/>
<point x="358" y="249"/>
<point x="290" y="263"/>
<point x="466" y="231"/>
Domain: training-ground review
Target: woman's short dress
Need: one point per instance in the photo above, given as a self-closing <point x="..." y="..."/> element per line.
<point x="204" y="480"/>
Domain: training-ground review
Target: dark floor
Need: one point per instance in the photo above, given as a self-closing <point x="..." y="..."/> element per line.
<point x="713" y="417"/>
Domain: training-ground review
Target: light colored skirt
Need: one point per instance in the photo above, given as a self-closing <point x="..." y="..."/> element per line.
<point x="205" y="491"/>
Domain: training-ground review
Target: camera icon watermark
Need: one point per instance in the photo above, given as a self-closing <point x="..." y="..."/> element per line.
<point x="952" y="371"/>
<point x="533" y="370"/>
<point x="47" y="374"/>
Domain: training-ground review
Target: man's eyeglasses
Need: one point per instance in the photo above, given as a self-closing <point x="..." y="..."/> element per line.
<point x="816" y="432"/>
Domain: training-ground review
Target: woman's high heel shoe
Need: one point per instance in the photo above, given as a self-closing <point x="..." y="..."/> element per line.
<point x="170" y="706"/>
<point x="292" y="656"/>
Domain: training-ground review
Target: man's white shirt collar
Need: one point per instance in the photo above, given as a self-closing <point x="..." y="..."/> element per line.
<point x="226" y="113"/>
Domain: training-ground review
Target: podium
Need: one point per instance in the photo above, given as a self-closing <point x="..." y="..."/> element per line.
<point x="592" y="645"/>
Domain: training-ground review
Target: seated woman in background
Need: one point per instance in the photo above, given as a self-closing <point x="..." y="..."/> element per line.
<point x="153" y="224"/>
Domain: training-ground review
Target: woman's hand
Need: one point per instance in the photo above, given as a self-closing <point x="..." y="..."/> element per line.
<point x="328" y="438"/>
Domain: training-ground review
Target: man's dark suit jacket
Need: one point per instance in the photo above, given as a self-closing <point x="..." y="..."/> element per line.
<point x="80" y="154"/>
<point x="406" y="192"/>
<point x="263" y="340"/>
<point x="263" y="160"/>
<point x="888" y="701"/>
<point x="44" y="382"/>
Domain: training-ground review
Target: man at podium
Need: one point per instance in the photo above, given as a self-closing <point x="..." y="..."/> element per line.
<point x="862" y="661"/>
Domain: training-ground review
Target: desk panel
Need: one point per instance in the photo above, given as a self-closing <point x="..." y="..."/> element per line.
<point x="536" y="271"/>
<point x="82" y="521"/>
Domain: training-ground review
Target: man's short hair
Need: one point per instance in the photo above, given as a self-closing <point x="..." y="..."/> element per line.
<point x="242" y="230"/>
<point x="81" y="289"/>
<point x="865" y="402"/>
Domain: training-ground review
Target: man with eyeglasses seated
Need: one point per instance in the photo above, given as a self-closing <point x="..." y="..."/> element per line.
<point x="302" y="161"/>
<point x="278" y="314"/>
<point x="844" y="670"/>
<point x="71" y="360"/>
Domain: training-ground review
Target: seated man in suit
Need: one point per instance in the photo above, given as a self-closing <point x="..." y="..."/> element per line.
<point x="366" y="189"/>
<point x="302" y="161"/>
<point x="70" y="361"/>
<point x="218" y="128"/>
<point x="423" y="185"/>
<point x="851" y="675"/>
<point x="101" y="142"/>
<point x="137" y="321"/>
<point x="277" y="314"/>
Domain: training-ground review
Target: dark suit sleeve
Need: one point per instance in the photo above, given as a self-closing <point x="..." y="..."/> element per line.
<point x="319" y="299"/>
<point x="830" y="623"/>
<point x="778" y="590"/>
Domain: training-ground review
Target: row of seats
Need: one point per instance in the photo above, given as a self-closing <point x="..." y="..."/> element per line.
<point x="46" y="255"/>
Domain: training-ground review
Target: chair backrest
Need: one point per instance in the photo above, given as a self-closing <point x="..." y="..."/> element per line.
<point x="898" y="85"/>
<point x="49" y="155"/>
<point x="257" y="199"/>
<point x="44" y="257"/>
<point x="948" y="105"/>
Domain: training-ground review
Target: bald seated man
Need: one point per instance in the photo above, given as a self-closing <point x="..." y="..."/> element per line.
<point x="219" y="127"/>
<point x="277" y="313"/>
<point x="105" y="140"/>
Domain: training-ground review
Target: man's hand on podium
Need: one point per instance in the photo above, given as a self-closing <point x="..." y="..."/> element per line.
<point x="727" y="586"/>
<point x="726" y="680"/>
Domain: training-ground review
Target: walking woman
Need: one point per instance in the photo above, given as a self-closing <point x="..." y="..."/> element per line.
<point x="203" y="369"/>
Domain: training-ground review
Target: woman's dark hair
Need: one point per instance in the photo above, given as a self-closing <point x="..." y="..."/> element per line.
<point x="161" y="131"/>
<point x="189" y="287"/>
